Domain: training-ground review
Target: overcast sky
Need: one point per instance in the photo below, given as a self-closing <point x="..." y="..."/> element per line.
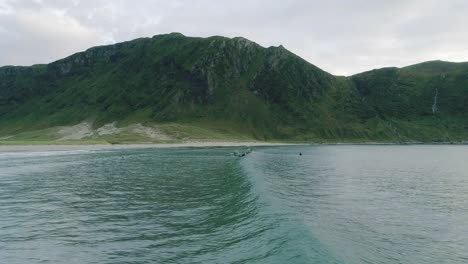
<point x="342" y="37"/>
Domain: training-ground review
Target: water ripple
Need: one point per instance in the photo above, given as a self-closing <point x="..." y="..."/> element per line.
<point x="335" y="204"/>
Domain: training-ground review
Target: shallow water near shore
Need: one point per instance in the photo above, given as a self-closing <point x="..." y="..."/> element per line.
<point x="333" y="204"/>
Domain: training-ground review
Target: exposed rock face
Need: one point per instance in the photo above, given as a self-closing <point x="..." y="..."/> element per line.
<point x="76" y="132"/>
<point x="149" y="132"/>
<point x="108" y="129"/>
<point x="85" y="130"/>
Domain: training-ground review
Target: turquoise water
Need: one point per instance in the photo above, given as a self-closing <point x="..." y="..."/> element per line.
<point x="333" y="204"/>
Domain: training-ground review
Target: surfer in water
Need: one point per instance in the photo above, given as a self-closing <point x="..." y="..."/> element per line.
<point x="242" y="154"/>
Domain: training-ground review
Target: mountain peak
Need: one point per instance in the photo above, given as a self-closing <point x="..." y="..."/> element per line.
<point x="172" y="34"/>
<point x="436" y="67"/>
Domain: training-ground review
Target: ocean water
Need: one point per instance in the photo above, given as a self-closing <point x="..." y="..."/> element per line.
<point x="333" y="204"/>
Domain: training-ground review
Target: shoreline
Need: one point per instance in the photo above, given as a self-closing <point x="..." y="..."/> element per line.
<point x="70" y="147"/>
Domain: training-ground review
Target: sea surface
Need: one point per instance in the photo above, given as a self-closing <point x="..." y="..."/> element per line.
<point x="333" y="204"/>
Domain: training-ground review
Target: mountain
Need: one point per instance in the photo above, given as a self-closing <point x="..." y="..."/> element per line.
<point x="427" y="101"/>
<point x="172" y="88"/>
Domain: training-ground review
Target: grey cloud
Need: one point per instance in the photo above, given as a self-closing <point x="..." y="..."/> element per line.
<point x="343" y="37"/>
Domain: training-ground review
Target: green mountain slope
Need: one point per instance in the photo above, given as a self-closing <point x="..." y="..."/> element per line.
<point x="221" y="88"/>
<point x="427" y="101"/>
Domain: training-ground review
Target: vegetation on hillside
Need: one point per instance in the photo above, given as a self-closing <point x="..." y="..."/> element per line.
<point x="219" y="87"/>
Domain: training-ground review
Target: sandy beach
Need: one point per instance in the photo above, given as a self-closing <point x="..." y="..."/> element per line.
<point x="31" y="148"/>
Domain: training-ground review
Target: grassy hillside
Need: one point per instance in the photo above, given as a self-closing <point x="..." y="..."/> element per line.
<point x="220" y="88"/>
<point x="427" y="101"/>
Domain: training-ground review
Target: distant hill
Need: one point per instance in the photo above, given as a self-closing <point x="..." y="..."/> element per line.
<point x="175" y="88"/>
